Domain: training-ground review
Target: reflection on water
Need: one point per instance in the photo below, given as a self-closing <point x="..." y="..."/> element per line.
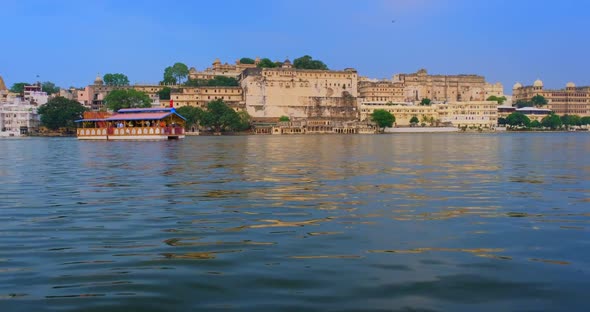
<point x="424" y="222"/>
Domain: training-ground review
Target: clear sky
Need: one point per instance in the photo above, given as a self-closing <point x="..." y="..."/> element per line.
<point x="69" y="42"/>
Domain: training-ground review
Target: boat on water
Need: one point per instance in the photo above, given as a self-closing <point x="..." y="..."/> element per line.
<point x="132" y="124"/>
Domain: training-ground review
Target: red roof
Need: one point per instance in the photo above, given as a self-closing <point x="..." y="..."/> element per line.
<point x="139" y="116"/>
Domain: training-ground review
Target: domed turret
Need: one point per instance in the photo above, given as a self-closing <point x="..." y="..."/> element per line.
<point x="98" y="80"/>
<point x="217" y="61"/>
<point x="287" y="64"/>
<point x="538" y="83"/>
<point x="517" y="86"/>
<point x="570" y="85"/>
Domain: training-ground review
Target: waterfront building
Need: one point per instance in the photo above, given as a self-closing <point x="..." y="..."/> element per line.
<point x="93" y="95"/>
<point x="132" y="124"/>
<point x="380" y="91"/>
<point x="300" y="93"/>
<point x="316" y="126"/>
<point x="533" y="113"/>
<point x="481" y="114"/>
<point x="34" y="94"/>
<point x="572" y="100"/>
<point x="18" y="117"/>
<point x="446" y="88"/>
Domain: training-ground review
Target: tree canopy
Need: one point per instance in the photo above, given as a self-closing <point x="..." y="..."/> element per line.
<point x="247" y="60"/>
<point x="552" y="121"/>
<point x="115" y="79"/>
<point x="49" y="87"/>
<point x="217" y="81"/>
<point x="130" y="98"/>
<point x="266" y="63"/>
<point x="60" y="112"/>
<point x="535" y="124"/>
<point x="220" y="117"/>
<point x="425" y="101"/>
<point x="18" y="87"/>
<point x="414" y="120"/>
<point x="538" y="100"/>
<point x="164" y="94"/>
<point x="585" y="120"/>
<point x="498" y="99"/>
<point x="571" y="120"/>
<point x="382" y="118"/>
<point x="307" y="62"/>
<point x="284" y="118"/>
<point x="176" y="73"/>
<point x="192" y="114"/>
<point x="517" y="119"/>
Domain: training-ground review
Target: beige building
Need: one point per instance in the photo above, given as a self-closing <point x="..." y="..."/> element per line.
<point x="219" y="69"/>
<point x="382" y="91"/>
<point x="532" y="113"/>
<point x="482" y="114"/>
<point x="446" y="88"/>
<point x="572" y="100"/>
<point x="200" y="96"/>
<point x="300" y="93"/>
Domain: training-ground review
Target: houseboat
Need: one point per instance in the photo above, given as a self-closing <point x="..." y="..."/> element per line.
<point x="132" y="124"/>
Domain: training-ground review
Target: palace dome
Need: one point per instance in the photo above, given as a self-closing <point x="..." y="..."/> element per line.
<point x="538" y="83"/>
<point x="570" y="85"/>
<point x="517" y="86"/>
<point x="98" y="80"/>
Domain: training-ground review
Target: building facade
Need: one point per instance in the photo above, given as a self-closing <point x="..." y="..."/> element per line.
<point x="571" y="101"/>
<point x="18" y="117"/>
<point x="200" y="96"/>
<point x="480" y="114"/>
<point x="446" y="88"/>
<point x="300" y="93"/>
<point x="219" y="69"/>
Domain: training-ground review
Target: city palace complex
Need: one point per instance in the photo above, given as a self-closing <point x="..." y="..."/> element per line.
<point x="322" y="101"/>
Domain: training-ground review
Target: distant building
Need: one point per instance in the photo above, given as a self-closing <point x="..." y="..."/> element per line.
<point x="18" y="117"/>
<point x="300" y="93"/>
<point x="482" y="114"/>
<point x="446" y="88"/>
<point x="2" y="85"/>
<point x="34" y="94"/>
<point x="219" y="69"/>
<point x="572" y="100"/>
<point x="200" y="96"/>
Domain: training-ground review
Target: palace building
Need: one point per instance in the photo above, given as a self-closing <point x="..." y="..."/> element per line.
<point x="300" y="93"/>
<point x="219" y="69"/>
<point x="572" y="100"/>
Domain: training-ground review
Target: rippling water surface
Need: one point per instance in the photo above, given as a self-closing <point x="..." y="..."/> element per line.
<point x="410" y="222"/>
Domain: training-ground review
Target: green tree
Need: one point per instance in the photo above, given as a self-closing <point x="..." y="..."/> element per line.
<point x="585" y="120"/>
<point x="425" y="101"/>
<point x="266" y="63"/>
<point x="571" y="120"/>
<point x="176" y="73"/>
<point x="414" y="120"/>
<point x="192" y="114"/>
<point x="552" y="121"/>
<point x="49" y="87"/>
<point x="535" y="124"/>
<point x="502" y="121"/>
<point x="115" y="79"/>
<point x="18" y="87"/>
<point x="284" y="118"/>
<point x="498" y="99"/>
<point x="164" y="94"/>
<point x="517" y="119"/>
<point x="247" y="60"/>
<point x="382" y="118"/>
<point x="220" y="117"/>
<point x="307" y="62"/>
<point x="244" y="123"/>
<point x="60" y="112"/>
<point x="223" y="81"/>
<point x="538" y="100"/>
<point x="130" y="98"/>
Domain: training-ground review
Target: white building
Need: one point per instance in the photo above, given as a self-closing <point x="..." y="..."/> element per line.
<point x="18" y="117"/>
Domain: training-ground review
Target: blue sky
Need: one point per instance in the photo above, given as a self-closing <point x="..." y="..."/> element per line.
<point x="69" y="42"/>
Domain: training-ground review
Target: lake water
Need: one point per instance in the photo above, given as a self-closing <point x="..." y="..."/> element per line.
<point x="408" y="222"/>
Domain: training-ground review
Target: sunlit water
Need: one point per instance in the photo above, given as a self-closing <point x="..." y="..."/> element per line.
<point x="410" y="222"/>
